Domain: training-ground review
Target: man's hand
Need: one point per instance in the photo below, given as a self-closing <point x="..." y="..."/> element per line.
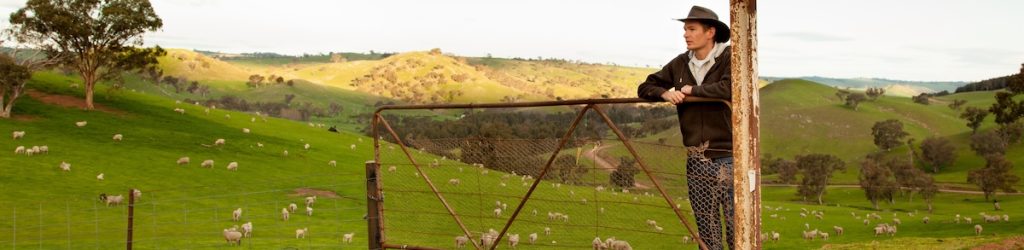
<point x="673" y="96"/>
<point x="688" y="89"/>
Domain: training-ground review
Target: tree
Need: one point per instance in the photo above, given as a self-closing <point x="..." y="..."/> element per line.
<point x="623" y="176"/>
<point x="974" y="117"/>
<point x="255" y="81"/>
<point x="337" y="58"/>
<point x="937" y="152"/>
<point x="876" y="180"/>
<point x="842" y="94"/>
<point x="1012" y="132"/>
<point x="906" y="175"/>
<point x="874" y="93"/>
<point x="888" y="134"/>
<point x="988" y="143"/>
<point x="922" y="98"/>
<point x="996" y="175"/>
<point x="927" y="188"/>
<point x="852" y="100"/>
<point x="817" y="170"/>
<point x="13" y="78"/>
<point x="786" y="169"/>
<point x="955" y="105"/>
<point x="96" y="37"/>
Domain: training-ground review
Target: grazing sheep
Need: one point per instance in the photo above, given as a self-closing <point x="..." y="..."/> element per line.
<point x="259" y="144"/>
<point x="81" y="123"/>
<point x="347" y="238"/>
<point x="99" y="177"/>
<point x="247" y="229"/>
<point x="207" y="111"/>
<point x="823" y="235"/>
<point x="179" y="110"/>
<point x="233" y="237"/>
<point x="896" y="221"/>
<point x="460" y="241"/>
<point x="968" y="220"/>
<point x="19" y="150"/>
<point x="207" y="164"/>
<point x="925" y="220"/>
<point x="497" y="212"/>
<point x="118" y="137"/>
<point x="513" y="240"/>
<point x="658" y="228"/>
<point x="620" y="245"/>
<point x="532" y="237"/>
<point x="775" y="236"/>
<point x="18" y="134"/>
<point x="236" y="215"/>
<point x="352" y="147"/>
<point x="301" y="232"/>
<point x="286" y="152"/>
<point x="184" y="160"/>
<point x="597" y="244"/>
<point x="454" y="181"/>
<point x="810" y="235"/>
<point x="65" y="166"/>
<point x="977" y="229"/>
<point x="219" y="142"/>
<point x="245" y="130"/>
<point x="284" y="214"/>
<point x="310" y="200"/>
<point x="838" y="230"/>
<point x="111" y="200"/>
<point x="137" y="194"/>
<point x="652" y="223"/>
<point x="1006" y="217"/>
<point x="227" y="116"/>
<point x="392" y="169"/>
<point x="818" y="216"/>
<point x="487" y="239"/>
<point x="547" y="231"/>
<point x="292" y="207"/>
<point x="332" y="163"/>
<point x="233" y="166"/>
<point x="309" y="211"/>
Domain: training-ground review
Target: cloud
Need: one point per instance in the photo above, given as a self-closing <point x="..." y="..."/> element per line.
<point x="810" y="36"/>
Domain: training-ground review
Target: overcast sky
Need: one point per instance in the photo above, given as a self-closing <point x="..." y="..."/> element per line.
<point x="937" y="40"/>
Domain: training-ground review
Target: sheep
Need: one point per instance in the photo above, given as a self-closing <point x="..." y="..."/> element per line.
<point x="301" y="232"/>
<point x="19" y="150"/>
<point x="597" y="244"/>
<point x="818" y="216"/>
<point x="454" y="181"/>
<point x="233" y="166"/>
<point x="347" y="238"/>
<point x="245" y="130"/>
<point x="811" y="235"/>
<point x="81" y="123"/>
<point x="310" y="200"/>
<point x="137" y="194"/>
<point x="306" y="146"/>
<point x="179" y="110"/>
<point x="227" y="116"/>
<point x="184" y="160"/>
<point x="207" y="111"/>
<point x="880" y="229"/>
<point x="309" y="211"/>
<point x="236" y="215"/>
<point x="259" y="144"/>
<point x="111" y="200"/>
<point x="896" y="221"/>
<point x="43" y="149"/>
<point x="65" y="166"/>
<point x="824" y="235"/>
<point x="352" y="147"/>
<point x="284" y="214"/>
<point x="620" y="245"/>
<point x="599" y="188"/>
<point x="286" y="152"/>
<point x="18" y="134"/>
<point x="247" y="229"/>
<point x="532" y="237"/>
<point x="977" y="229"/>
<point x="513" y="240"/>
<point x="207" y="164"/>
<point x="392" y="169"/>
<point x="925" y="220"/>
<point x="460" y="241"/>
<point x="497" y="212"/>
<point x="957" y="219"/>
<point x="775" y="236"/>
<point x="487" y="239"/>
<point x="219" y="142"/>
<point x="252" y="119"/>
<point x="292" y="207"/>
<point x="99" y="177"/>
<point x="118" y="137"/>
<point x="652" y="223"/>
<point x="1006" y="217"/>
<point x="968" y="220"/>
<point x="658" y="228"/>
<point x="332" y="163"/>
<point x="547" y="231"/>
<point x="233" y="237"/>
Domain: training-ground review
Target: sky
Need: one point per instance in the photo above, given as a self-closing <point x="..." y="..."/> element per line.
<point x="936" y="40"/>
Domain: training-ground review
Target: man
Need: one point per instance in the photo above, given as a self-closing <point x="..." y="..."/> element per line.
<point x="703" y="71"/>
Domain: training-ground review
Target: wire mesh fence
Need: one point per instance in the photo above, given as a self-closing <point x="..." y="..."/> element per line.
<point x="590" y="187"/>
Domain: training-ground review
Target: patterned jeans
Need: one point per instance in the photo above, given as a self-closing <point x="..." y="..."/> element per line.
<point x="711" y="198"/>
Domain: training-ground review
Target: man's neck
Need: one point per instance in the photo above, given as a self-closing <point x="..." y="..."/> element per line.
<point x="702" y="53"/>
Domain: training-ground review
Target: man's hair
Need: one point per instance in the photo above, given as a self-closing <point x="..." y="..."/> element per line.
<point x="720" y="36"/>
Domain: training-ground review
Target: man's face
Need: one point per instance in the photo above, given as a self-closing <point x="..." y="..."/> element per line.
<point x="697" y="36"/>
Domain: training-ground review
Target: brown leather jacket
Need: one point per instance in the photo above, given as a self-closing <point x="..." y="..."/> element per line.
<point x="699" y="122"/>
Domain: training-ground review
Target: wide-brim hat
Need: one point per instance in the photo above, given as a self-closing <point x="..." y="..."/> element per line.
<point x="698" y="13"/>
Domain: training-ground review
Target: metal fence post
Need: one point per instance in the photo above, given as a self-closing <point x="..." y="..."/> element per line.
<point x="745" y="121"/>
<point x="373" y="206"/>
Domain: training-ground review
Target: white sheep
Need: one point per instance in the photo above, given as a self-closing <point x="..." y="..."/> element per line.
<point x="352" y="147"/>
<point x="285" y="152"/>
<point x="453" y="181"/>
<point x="137" y="193"/>
<point x="81" y="123"/>
<point x="207" y="111"/>
<point x="597" y="244"/>
<point x="18" y="134"/>
<point x="233" y="166"/>
<point x="309" y="211"/>
<point x="285" y="214"/>
<point x="233" y="237"/>
<point x="179" y="110"/>
<point x="111" y="200"/>
<point x="247" y="229"/>
<point x="99" y="177"/>
<point x="392" y="169"/>
<point x="245" y="130"/>
<point x="332" y="163"/>
<point x="207" y="164"/>
<point x="977" y="229"/>
<point x="775" y="236"/>
<point x="620" y="245"/>
<point x="652" y="223"/>
<point x="897" y="221"/>
<point x="532" y="237"/>
<point x="310" y="200"/>
<point x="227" y="116"/>
<point x="184" y="160"/>
<point x="301" y="232"/>
<point x="65" y="166"/>
<point x="292" y="207"/>
<point x="497" y="212"/>
<point x="925" y="220"/>
<point x="969" y="220"/>
<point x="306" y="146"/>
<point x="219" y="142"/>
<point x="259" y="144"/>
<point x="236" y="215"/>
<point x="460" y="241"/>
<point x="19" y="150"/>
<point x="547" y="231"/>
<point x="658" y="228"/>
<point x="347" y="238"/>
<point x="838" y="230"/>
<point x="823" y="235"/>
<point x="118" y="137"/>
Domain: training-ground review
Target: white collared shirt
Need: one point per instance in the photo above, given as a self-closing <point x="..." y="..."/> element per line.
<point x="700" y="68"/>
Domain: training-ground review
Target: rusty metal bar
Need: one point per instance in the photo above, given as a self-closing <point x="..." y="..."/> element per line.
<point x="433" y="188"/>
<point x="395" y="246"/>
<point x="745" y="125"/>
<point x="536" y="181"/>
<point x="131" y="216"/>
<point x="373" y="206"/>
<point x="538" y="104"/>
<point x="639" y="161"/>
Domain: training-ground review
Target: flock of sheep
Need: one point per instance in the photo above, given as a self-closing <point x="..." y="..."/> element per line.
<point x="234" y="237"/>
